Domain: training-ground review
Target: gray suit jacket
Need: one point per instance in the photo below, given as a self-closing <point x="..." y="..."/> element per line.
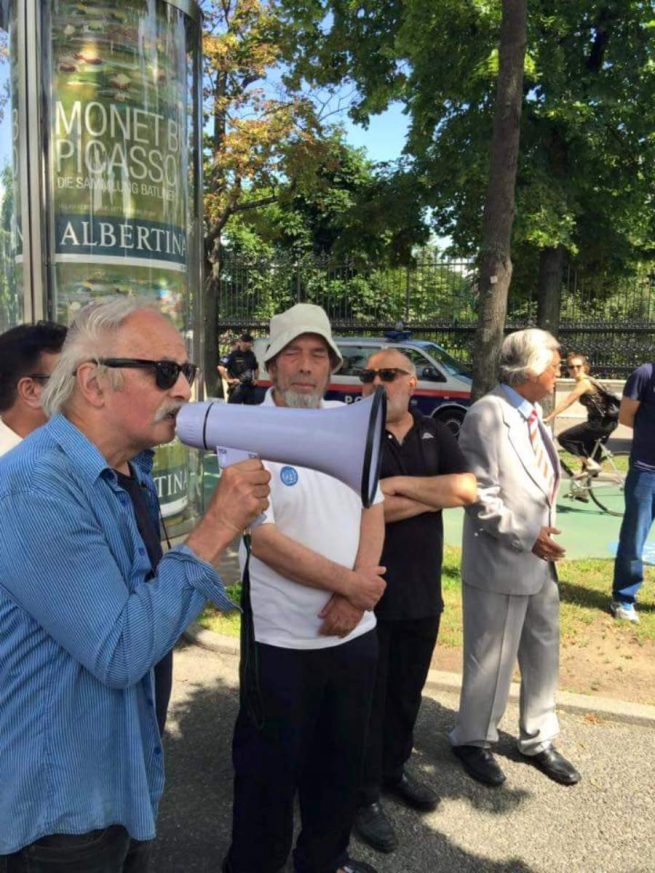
<point x="513" y="500"/>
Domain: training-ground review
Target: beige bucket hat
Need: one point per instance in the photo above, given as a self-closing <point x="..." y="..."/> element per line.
<point x="301" y="318"/>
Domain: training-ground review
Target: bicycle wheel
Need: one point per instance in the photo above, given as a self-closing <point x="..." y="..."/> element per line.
<point x="608" y="486"/>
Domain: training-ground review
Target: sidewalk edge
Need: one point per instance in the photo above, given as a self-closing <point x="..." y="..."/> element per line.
<point x="602" y="708"/>
<point x="207" y="639"/>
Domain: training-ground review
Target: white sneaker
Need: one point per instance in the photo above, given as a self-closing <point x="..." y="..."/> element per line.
<point x="591" y="466"/>
<point x="624" y="611"/>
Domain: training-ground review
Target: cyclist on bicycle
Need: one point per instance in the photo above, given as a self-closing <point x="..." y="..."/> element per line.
<point x="602" y="414"/>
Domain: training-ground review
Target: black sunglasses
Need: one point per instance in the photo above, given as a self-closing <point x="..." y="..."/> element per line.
<point x="166" y="372"/>
<point x="39" y="377"/>
<point x="386" y="374"/>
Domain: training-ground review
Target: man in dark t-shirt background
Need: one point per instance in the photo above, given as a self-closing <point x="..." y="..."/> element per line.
<point x="638" y="412"/>
<point x="242" y="371"/>
<point x="423" y="471"/>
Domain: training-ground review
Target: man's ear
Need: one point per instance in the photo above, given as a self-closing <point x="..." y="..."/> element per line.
<point x="29" y="392"/>
<point x="92" y="388"/>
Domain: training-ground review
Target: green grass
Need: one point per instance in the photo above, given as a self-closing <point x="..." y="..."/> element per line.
<point x="584" y="588"/>
<point x="226" y="623"/>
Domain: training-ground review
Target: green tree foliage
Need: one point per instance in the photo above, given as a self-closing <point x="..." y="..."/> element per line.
<point x="585" y="181"/>
<point x="350" y="210"/>
<point x="277" y="172"/>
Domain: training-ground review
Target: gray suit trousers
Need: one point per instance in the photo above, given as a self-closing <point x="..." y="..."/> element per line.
<point x="498" y="629"/>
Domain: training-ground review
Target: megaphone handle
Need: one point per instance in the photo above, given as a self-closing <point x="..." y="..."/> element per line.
<point x="227" y="456"/>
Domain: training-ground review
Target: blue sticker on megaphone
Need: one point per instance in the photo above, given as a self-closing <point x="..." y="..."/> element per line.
<point x="289" y="475"/>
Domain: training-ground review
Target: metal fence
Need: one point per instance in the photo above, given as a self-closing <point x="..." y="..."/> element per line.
<point x="436" y="298"/>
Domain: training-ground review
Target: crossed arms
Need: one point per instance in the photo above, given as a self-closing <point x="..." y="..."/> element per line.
<point x="408" y="496"/>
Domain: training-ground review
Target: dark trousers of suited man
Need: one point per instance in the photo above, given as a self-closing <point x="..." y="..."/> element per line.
<point x="510" y="592"/>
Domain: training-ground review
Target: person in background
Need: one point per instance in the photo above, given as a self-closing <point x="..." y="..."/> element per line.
<point x="84" y="614"/>
<point x="242" y="372"/>
<point x="602" y="414"/>
<point x="637" y="412"/>
<point x="423" y="471"/>
<point x="222" y="365"/>
<point x="28" y="354"/>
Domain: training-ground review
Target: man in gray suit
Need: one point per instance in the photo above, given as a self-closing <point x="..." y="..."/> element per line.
<point x="509" y="591"/>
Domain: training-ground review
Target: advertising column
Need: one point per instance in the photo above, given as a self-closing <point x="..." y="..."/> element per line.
<point x="122" y="167"/>
<point x="11" y="148"/>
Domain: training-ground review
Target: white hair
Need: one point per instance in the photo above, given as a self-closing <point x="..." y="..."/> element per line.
<point x="526" y="353"/>
<point x="88" y="339"/>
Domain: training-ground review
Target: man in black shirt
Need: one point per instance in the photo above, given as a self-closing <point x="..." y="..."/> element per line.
<point x="147" y="515"/>
<point x="242" y="371"/>
<point x="423" y="472"/>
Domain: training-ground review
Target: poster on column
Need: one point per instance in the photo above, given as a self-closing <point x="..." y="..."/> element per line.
<point x="119" y="167"/>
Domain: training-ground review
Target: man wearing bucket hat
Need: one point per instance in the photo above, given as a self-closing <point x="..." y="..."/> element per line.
<point x="314" y="579"/>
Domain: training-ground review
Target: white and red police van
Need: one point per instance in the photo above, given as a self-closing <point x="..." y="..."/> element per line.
<point x="444" y="384"/>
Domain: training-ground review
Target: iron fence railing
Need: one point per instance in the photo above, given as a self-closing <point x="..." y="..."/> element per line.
<point x="435" y="297"/>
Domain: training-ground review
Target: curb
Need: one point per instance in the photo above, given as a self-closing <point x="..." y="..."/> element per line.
<point x="601" y="708"/>
<point x="207" y="639"/>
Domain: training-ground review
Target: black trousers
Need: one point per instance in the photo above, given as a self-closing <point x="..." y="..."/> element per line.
<point x="406" y="648"/>
<point x="108" y="850"/>
<point x="316" y="705"/>
<point x="244" y="392"/>
<point x="580" y="439"/>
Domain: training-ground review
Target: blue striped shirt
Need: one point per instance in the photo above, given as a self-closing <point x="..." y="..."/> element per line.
<point x="80" y="630"/>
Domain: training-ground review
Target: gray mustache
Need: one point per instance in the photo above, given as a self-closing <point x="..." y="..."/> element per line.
<point x="167" y="409"/>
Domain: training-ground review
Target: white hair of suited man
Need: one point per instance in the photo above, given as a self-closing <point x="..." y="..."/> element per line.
<point x="526" y="353"/>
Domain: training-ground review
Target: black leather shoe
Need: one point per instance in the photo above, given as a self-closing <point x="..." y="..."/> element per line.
<point x="480" y="764"/>
<point x="373" y="827"/>
<point x="555" y="766"/>
<point x="413" y="793"/>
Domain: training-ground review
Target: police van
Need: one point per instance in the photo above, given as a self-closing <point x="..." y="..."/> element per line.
<point x="443" y="389"/>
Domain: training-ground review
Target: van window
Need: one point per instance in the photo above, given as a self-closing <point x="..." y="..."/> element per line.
<point x="452" y="366"/>
<point x="355" y="358"/>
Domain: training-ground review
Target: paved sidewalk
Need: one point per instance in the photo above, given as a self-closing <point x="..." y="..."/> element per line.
<point x="603" y="825"/>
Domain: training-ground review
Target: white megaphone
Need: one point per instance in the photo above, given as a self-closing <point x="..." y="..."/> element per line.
<point x="342" y="441"/>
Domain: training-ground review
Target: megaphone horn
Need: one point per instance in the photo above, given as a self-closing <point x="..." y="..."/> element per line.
<point x="342" y="441"/>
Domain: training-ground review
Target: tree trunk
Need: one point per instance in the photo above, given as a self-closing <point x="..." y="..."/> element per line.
<point x="549" y="298"/>
<point x="549" y="292"/>
<point x="210" y="345"/>
<point x="495" y="260"/>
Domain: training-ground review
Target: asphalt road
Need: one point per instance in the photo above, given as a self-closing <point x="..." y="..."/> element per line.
<point x="531" y="825"/>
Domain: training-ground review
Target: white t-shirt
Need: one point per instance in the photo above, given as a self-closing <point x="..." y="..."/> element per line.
<point x="325" y="515"/>
<point x="8" y="438"/>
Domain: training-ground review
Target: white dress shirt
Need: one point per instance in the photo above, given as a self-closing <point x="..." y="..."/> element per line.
<point x="8" y="438"/>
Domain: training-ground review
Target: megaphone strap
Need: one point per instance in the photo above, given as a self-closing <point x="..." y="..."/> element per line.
<point x="249" y="690"/>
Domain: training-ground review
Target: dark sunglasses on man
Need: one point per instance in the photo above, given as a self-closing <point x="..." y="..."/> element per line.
<point x="386" y="374"/>
<point x="166" y="372"/>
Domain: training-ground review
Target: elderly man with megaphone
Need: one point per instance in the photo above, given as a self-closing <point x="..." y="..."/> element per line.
<point x="88" y="605"/>
<point x="314" y="577"/>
